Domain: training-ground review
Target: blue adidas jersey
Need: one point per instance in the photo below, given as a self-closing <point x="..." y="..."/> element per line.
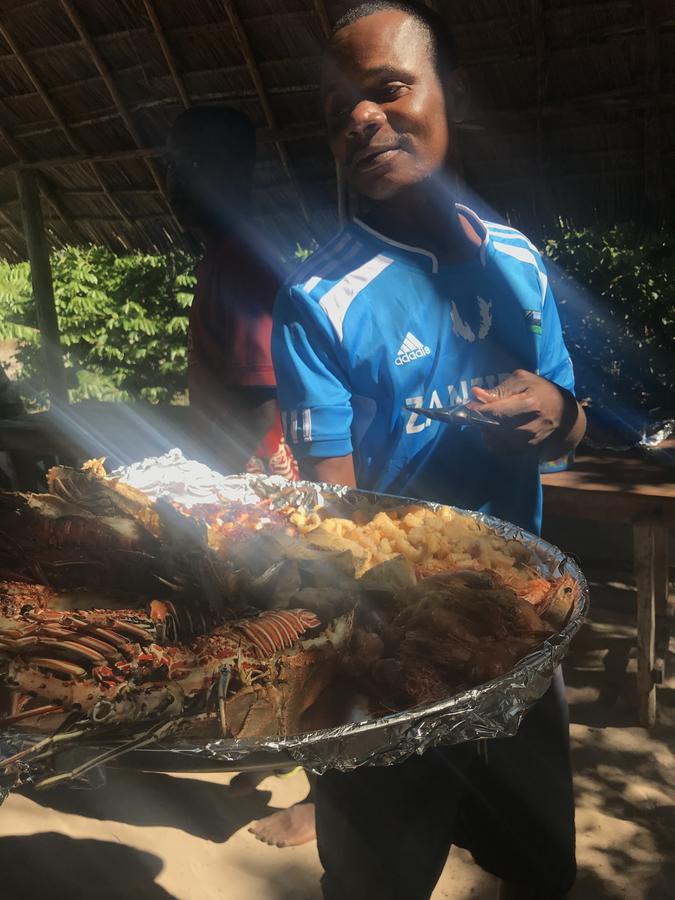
<point x="367" y="325"/>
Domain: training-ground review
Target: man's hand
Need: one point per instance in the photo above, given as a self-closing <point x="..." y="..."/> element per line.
<point x="536" y="413"/>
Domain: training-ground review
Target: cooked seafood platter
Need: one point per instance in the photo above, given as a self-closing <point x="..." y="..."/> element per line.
<point x="165" y="606"/>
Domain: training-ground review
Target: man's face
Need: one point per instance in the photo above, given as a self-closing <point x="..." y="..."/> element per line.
<point x="206" y="187"/>
<point x="384" y="104"/>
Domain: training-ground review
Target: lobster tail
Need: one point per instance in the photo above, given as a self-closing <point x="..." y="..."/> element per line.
<point x="277" y="630"/>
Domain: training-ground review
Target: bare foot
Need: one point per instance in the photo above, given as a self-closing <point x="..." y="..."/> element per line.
<point x="288" y="827"/>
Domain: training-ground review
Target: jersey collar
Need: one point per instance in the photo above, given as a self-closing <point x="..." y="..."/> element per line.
<point x="473" y="217"/>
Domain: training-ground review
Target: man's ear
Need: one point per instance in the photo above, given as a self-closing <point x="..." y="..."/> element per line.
<point x="458" y="94"/>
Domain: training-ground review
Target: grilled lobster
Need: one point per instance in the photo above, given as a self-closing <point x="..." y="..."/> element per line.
<point x="123" y="664"/>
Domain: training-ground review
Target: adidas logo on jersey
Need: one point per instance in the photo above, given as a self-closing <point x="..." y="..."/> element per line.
<point x="411" y="349"/>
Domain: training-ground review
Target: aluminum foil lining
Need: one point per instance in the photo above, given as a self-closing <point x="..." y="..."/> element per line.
<point x="649" y="436"/>
<point x="490" y="710"/>
<point x="658" y="433"/>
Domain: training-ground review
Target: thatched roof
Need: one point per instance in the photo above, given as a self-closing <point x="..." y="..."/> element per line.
<point x="574" y="108"/>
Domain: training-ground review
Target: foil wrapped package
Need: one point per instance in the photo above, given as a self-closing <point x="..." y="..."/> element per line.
<point x="491" y="710"/>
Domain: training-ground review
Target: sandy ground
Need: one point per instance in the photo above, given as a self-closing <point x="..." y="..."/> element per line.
<point x="185" y="837"/>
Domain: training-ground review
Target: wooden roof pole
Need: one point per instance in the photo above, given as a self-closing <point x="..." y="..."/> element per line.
<point x="43" y="289"/>
<point x="256" y="78"/>
<point x="168" y="55"/>
<point x="73" y="140"/>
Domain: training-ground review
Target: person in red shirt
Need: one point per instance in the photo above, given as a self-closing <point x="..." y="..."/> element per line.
<point x="210" y="155"/>
<point x="210" y="158"/>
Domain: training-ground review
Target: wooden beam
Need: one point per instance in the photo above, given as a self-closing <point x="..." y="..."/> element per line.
<point x="258" y="191"/>
<point x="43" y="289"/>
<point x="36" y="129"/>
<point x="56" y="162"/>
<point x="265" y="135"/>
<point x="283" y="212"/>
<point x="52" y="49"/>
<point x="109" y="113"/>
<point x="138" y="70"/>
<point x="168" y="55"/>
<point x="256" y="78"/>
<point x="291" y="134"/>
<point x="119" y="192"/>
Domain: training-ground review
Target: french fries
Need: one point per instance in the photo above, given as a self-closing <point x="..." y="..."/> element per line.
<point x="437" y="540"/>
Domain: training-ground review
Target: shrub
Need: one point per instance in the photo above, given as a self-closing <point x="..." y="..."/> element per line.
<point x="123" y="321"/>
<point x="616" y="293"/>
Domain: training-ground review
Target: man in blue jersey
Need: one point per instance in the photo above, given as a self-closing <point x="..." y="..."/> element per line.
<point x="419" y="302"/>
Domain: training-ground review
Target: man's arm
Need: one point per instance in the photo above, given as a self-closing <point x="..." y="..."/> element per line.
<point x="332" y="470"/>
<point x="314" y="394"/>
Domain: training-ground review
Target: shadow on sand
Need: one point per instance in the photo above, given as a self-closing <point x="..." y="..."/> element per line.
<point x="622" y="772"/>
<point x="53" y="867"/>
<point x="202" y="808"/>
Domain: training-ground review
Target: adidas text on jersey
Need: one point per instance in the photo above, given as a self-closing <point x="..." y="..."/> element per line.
<point x="411" y="348"/>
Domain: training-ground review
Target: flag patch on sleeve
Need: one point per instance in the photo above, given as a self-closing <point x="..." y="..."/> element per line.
<point x="533" y="317"/>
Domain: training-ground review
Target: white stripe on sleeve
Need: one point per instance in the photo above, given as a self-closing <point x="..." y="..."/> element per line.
<point x="307" y="424"/>
<point x="525" y="255"/>
<point x="339" y="298"/>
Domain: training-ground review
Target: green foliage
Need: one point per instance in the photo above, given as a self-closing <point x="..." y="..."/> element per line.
<point x="616" y="293"/>
<point x="123" y="321"/>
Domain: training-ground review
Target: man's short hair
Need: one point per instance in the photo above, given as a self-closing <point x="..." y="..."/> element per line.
<point x="434" y="26"/>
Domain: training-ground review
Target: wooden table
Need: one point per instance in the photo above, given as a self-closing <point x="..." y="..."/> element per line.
<point x="637" y="488"/>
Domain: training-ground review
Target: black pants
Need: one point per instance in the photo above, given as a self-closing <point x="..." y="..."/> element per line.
<point x="384" y="833"/>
